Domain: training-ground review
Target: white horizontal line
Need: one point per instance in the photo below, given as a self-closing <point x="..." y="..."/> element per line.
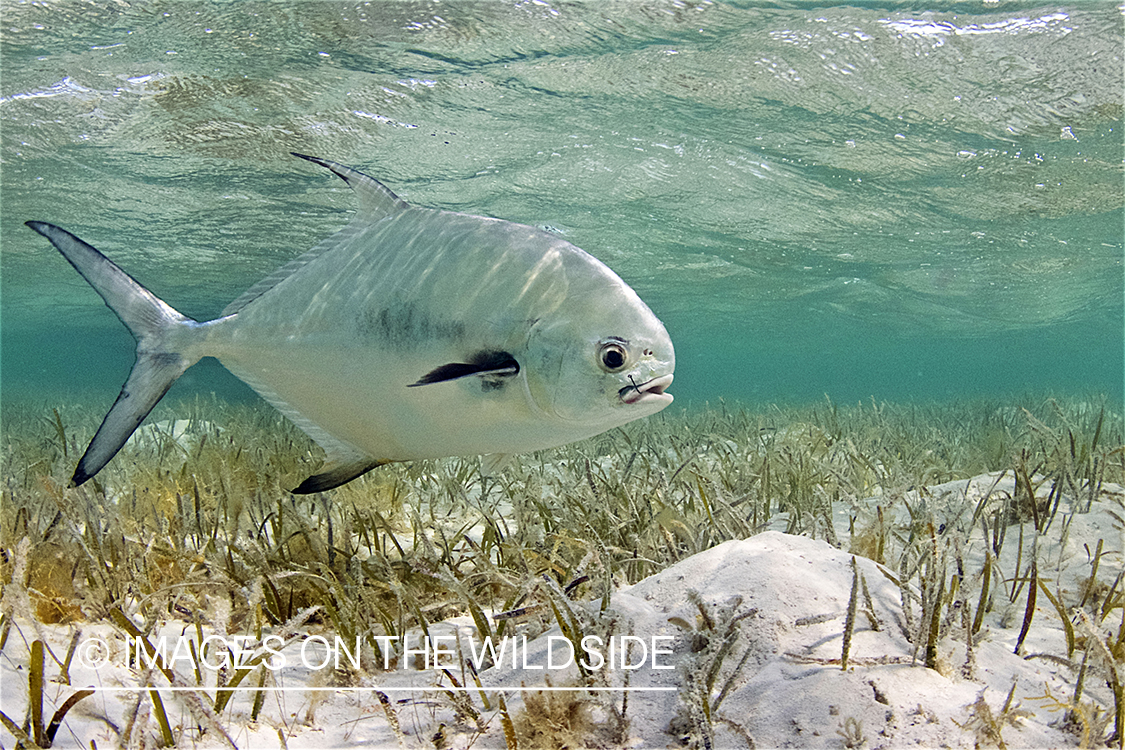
<point x="473" y="688"/>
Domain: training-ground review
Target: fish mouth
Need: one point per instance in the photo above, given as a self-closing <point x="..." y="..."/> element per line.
<point x="646" y="392"/>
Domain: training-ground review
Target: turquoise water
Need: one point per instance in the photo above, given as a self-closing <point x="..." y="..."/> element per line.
<point x="889" y="201"/>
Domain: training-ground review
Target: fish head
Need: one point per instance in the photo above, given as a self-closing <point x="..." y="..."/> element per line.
<point x="604" y="364"/>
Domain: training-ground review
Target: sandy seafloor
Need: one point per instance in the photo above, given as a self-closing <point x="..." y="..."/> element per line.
<point x="786" y="596"/>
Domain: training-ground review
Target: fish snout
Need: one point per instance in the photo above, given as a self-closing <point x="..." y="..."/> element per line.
<point x="647" y="392"/>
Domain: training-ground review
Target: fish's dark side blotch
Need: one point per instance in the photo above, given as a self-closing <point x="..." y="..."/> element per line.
<point x="400" y="326"/>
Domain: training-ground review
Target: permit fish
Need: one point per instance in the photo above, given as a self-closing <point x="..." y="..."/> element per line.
<point x="411" y="333"/>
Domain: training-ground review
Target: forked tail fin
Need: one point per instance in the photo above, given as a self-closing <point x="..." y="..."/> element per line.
<point x="151" y="321"/>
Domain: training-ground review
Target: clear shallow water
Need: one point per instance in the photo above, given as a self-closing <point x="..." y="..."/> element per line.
<point x="884" y="201"/>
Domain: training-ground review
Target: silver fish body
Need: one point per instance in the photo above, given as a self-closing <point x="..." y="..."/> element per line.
<point x="411" y="333"/>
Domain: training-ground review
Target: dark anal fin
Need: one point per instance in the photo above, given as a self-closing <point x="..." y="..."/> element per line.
<point x="337" y="475"/>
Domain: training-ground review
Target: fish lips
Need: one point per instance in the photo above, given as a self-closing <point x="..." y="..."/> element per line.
<point x="647" y="392"/>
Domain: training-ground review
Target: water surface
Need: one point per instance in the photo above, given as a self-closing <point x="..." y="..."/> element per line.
<point x="889" y="201"/>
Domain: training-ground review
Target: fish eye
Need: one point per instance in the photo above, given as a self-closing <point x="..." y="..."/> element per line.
<point x="612" y="356"/>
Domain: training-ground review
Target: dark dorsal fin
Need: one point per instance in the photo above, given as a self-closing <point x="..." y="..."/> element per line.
<point x="376" y="202"/>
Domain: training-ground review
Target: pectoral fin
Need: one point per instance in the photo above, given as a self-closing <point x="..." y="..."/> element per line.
<point x="492" y="364"/>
